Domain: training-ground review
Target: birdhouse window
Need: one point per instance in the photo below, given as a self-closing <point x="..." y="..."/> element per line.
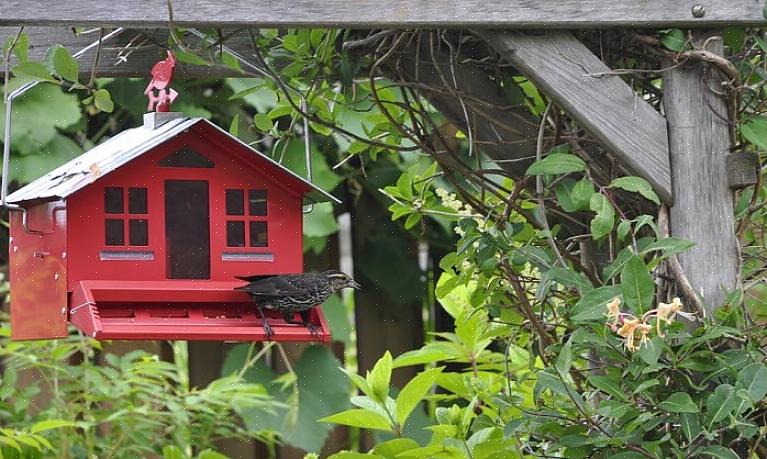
<point x="254" y="219"/>
<point x="117" y="218"/>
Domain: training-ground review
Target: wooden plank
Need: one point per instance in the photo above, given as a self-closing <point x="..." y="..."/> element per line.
<point x="130" y="54"/>
<point x="703" y="202"/>
<point x="391" y="13"/>
<point x="563" y="68"/>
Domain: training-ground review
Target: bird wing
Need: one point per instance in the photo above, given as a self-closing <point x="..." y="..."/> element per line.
<point x="270" y="286"/>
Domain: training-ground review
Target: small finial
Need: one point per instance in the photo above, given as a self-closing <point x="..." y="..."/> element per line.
<point x="162" y="74"/>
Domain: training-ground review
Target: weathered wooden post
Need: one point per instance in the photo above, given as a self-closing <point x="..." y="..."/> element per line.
<point x="702" y="212"/>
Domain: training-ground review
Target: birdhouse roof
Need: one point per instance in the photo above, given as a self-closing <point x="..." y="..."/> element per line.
<point x="123" y="148"/>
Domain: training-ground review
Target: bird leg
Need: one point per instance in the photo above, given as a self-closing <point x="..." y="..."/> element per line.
<point x="267" y="328"/>
<point x="313" y="329"/>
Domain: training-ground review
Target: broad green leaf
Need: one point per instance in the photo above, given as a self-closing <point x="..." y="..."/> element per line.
<point x="690" y="425"/>
<point x="637" y="285"/>
<point x="755" y="131"/>
<point x="668" y="246"/>
<point x="581" y="194"/>
<point x="21" y="49"/>
<point x="379" y="378"/>
<point x="320" y="222"/>
<point x="592" y="306"/>
<point x="557" y="163"/>
<point x="234" y="126"/>
<point x="753" y="379"/>
<point x="602" y="223"/>
<point x="172" y="452"/>
<point x="413" y="392"/>
<point x="721" y="403"/>
<point x="103" y="101"/>
<point x="673" y="39"/>
<point x="49" y="424"/>
<point x="359" y="418"/>
<point x="679" y="402"/>
<point x="564" y="191"/>
<point x="719" y="452"/>
<point x="186" y="57"/>
<point x="636" y="185"/>
<point x="624" y="227"/>
<point x="426" y="354"/>
<point x="354" y="455"/>
<point x="62" y="63"/>
<point x="607" y="385"/>
<point x="565" y="358"/>
<point x="262" y="122"/>
<point x="651" y="352"/>
<point x="390" y="449"/>
<point x="210" y="454"/>
<point x="33" y="70"/>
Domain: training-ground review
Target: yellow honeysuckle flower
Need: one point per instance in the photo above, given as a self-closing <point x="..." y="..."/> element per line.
<point x="666" y="312"/>
<point x="627" y="332"/>
<point x="613" y="310"/>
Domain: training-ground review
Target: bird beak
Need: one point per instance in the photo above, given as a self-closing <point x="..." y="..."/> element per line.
<point x="354" y="285"/>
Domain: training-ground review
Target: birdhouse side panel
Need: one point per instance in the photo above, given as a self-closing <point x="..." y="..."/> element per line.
<point x="38" y="272"/>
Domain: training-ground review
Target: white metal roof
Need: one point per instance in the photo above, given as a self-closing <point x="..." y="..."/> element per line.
<point x="120" y="150"/>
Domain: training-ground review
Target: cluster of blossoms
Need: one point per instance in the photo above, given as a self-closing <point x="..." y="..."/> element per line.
<point x="451" y="201"/>
<point x="629" y="327"/>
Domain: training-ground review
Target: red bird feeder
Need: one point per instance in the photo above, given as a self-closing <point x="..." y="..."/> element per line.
<point x="141" y="238"/>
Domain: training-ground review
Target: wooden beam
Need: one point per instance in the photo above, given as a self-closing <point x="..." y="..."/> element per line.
<point x="703" y="202"/>
<point x="564" y="69"/>
<point x="130" y="54"/>
<point x="391" y="13"/>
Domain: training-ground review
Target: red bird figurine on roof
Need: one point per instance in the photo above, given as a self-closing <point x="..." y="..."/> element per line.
<point x="162" y="74"/>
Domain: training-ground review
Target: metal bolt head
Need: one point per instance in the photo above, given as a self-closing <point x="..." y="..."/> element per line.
<point x="698" y="10"/>
<point x="63" y="310"/>
<point x="63" y="255"/>
<point x="15" y="248"/>
<point x="56" y="276"/>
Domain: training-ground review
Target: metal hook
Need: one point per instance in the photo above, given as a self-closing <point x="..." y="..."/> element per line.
<point x="9" y="111"/>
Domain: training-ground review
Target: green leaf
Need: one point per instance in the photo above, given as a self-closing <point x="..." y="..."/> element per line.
<point x="668" y="246"/>
<point x="63" y="64"/>
<point x="755" y="131"/>
<point x="557" y="163"/>
<point x="623" y="229"/>
<point x="379" y="378"/>
<point x="21" y="49"/>
<point x="392" y="448"/>
<point x="364" y="419"/>
<point x="753" y="379"/>
<point x="338" y="319"/>
<point x="33" y="70"/>
<point x="565" y="358"/>
<point x="721" y="403"/>
<point x="636" y="185"/>
<point x="234" y="126"/>
<point x="320" y="222"/>
<point x="564" y="191"/>
<point x="210" y="454"/>
<point x="50" y="424"/>
<point x="413" y="392"/>
<point x="673" y="39"/>
<point x="602" y="223"/>
<point x="103" y="101"/>
<point x="637" y="285"/>
<point x="581" y="194"/>
<point x="651" y="352"/>
<point x="172" y="452"/>
<point x="263" y="122"/>
<point x="719" y="452"/>
<point x="591" y="306"/>
<point x="607" y="385"/>
<point x="354" y="455"/>
<point x="679" y="402"/>
<point x="690" y="425"/>
<point x="185" y="57"/>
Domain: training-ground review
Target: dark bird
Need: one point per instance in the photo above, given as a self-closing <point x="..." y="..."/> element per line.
<point x="294" y="293"/>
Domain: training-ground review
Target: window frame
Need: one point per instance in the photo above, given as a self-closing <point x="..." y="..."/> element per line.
<point x="126" y="217"/>
<point x="246" y="218"/>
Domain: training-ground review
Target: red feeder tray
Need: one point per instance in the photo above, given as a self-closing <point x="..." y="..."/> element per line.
<point x="201" y="311"/>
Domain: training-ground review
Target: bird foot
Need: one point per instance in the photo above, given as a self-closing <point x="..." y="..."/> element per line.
<point x="313" y="330"/>
<point x="268" y="330"/>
